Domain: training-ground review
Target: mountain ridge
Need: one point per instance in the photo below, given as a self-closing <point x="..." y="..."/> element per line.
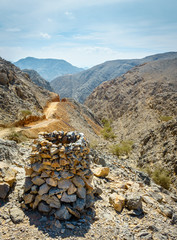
<point x="48" y="68"/>
<point x="80" y="85"/>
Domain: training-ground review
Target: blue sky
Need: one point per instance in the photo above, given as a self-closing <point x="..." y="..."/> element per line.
<point x="87" y="32"/>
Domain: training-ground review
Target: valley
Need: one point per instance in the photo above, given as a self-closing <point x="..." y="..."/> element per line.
<point x="129" y="123"/>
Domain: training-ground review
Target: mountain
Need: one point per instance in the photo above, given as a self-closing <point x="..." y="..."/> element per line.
<point x="38" y="80"/>
<point x="79" y="86"/>
<point x="47" y="68"/>
<point x="18" y="94"/>
<point x="142" y="104"/>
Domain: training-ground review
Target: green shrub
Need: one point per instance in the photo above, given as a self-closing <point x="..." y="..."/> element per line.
<point x="107" y="131"/>
<point x="16" y="136"/>
<point x="122" y="148"/>
<point x="165" y="118"/>
<point x="25" y="113"/>
<point x="161" y="177"/>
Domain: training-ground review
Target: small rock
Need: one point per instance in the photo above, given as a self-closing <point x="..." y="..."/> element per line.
<point x="51" y="182"/>
<point x="72" y="189"/>
<point x="4" y="189"/>
<point x="70" y="226"/>
<point x="174" y="219"/>
<point x="79" y="204"/>
<point x="68" y="198"/>
<point x="117" y="201"/>
<point x="16" y="215"/>
<point x="64" y="184"/>
<point x="28" y="184"/>
<point x="133" y="201"/>
<point x="78" y="182"/>
<point x="43" y="207"/>
<point x="38" y="181"/>
<point x="28" y="198"/>
<point x="73" y="212"/>
<point x="62" y="213"/>
<point x="81" y="192"/>
<point x="43" y="189"/>
<point x="166" y="211"/>
<point x="57" y="224"/>
<point x="101" y="172"/>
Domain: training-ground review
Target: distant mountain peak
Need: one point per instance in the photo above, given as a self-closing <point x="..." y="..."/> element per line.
<point x="48" y="68"/>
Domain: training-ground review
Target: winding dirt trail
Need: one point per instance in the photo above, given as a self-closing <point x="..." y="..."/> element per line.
<point x="56" y="119"/>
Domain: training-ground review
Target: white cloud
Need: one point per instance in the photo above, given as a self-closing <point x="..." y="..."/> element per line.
<point x="13" y="30"/>
<point x="45" y="35"/>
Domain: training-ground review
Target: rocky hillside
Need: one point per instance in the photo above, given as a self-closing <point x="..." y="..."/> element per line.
<point x="140" y="102"/>
<point x="38" y="80"/>
<point x="48" y="68"/>
<point x="19" y="94"/>
<point x="79" y="86"/>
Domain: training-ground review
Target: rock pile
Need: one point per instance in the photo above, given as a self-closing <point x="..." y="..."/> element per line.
<point x="60" y="176"/>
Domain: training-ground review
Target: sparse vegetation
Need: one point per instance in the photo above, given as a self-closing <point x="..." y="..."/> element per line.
<point x="107" y="131"/>
<point x="164" y="118"/>
<point x="25" y="113"/>
<point x="159" y="175"/>
<point x="16" y="136"/>
<point x="122" y="148"/>
<point x="93" y="144"/>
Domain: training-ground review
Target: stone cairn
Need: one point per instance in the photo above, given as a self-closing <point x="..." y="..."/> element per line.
<point x="60" y="176"/>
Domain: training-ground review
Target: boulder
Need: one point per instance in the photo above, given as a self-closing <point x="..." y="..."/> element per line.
<point x="101" y="172"/>
<point x="117" y="201"/>
<point x="133" y="201"/>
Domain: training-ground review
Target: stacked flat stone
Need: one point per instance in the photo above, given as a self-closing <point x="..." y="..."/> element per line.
<point x="60" y="178"/>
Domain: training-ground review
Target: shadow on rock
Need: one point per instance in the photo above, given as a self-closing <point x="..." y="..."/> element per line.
<point x="50" y="226"/>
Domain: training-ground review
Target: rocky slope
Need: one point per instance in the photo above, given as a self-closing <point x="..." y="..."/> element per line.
<point x="80" y="85"/>
<point x="127" y="204"/>
<point x="139" y="103"/>
<point x="18" y="94"/>
<point x="48" y="68"/>
<point x="38" y="80"/>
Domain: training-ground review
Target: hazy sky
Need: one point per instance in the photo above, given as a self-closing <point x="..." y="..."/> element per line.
<point x="87" y="32"/>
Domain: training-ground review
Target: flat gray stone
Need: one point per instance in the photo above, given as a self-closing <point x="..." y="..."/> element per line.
<point x="43" y="189"/>
<point x="62" y="213"/>
<point x="43" y="207"/>
<point x="81" y="192"/>
<point x="78" y="182"/>
<point x="68" y="198"/>
<point x="37" y="181"/>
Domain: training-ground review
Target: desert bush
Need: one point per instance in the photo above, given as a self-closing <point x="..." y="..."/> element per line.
<point x="161" y="177"/>
<point x="122" y="148"/>
<point x="164" y="118"/>
<point x="16" y="136"/>
<point x="25" y="113"/>
<point x="107" y="131"/>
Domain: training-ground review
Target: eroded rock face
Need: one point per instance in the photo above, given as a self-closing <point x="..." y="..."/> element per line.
<point x="18" y="92"/>
<point x="60" y="180"/>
